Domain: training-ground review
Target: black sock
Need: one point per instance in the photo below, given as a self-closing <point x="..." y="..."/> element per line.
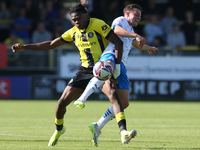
<point x="122" y="124"/>
<point x="59" y="127"/>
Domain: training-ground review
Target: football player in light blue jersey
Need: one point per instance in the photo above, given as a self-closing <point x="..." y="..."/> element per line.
<point x="123" y="27"/>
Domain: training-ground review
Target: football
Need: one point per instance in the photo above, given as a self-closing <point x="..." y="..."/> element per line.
<point x="103" y="70"/>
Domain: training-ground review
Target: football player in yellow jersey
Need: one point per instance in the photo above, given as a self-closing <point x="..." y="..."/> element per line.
<point x="90" y="35"/>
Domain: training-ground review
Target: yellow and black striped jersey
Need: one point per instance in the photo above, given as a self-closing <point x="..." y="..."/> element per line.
<point x="91" y="41"/>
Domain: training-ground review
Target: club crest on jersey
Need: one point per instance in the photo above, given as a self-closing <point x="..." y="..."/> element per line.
<point x="90" y="35"/>
<point x="104" y="27"/>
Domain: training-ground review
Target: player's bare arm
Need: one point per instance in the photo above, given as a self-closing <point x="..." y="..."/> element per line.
<point x="118" y="47"/>
<point x="125" y="33"/>
<point x="38" y="46"/>
<point x="146" y="47"/>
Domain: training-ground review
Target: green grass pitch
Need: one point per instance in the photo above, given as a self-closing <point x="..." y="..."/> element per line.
<point x="29" y="124"/>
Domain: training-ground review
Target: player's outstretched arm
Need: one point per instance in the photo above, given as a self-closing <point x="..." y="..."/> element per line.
<point x="125" y="33"/>
<point x="146" y="47"/>
<point x="38" y="46"/>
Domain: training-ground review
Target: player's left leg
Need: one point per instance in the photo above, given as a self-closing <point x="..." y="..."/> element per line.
<point x="96" y="127"/>
<point x="92" y="86"/>
<point x="126" y="136"/>
<point x="111" y="91"/>
<point x="123" y="93"/>
<point x="94" y="83"/>
<point x="109" y="114"/>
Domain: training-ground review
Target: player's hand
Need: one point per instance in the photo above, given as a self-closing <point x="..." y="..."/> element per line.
<point x="116" y="72"/>
<point x="141" y="40"/>
<point x="18" y="47"/>
<point x="153" y="50"/>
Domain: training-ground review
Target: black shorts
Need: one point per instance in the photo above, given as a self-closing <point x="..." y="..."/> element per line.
<point x="82" y="78"/>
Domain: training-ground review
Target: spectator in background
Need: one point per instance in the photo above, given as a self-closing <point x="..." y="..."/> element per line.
<point x="5" y="15"/>
<point x="12" y="39"/>
<point x="63" y="20"/>
<point x="39" y="59"/>
<point x="57" y="31"/>
<point x="41" y="34"/>
<point x="190" y="29"/>
<point x="13" y="59"/>
<point x="42" y="18"/>
<point x="153" y="29"/>
<point x="52" y="14"/>
<point x="176" y="38"/>
<point x="32" y="12"/>
<point x="168" y="20"/>
<point x="22" y="26"/>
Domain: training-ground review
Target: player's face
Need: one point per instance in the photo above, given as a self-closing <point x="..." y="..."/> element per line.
<point x="134" y="17"/>
<point x="80" y="20"/>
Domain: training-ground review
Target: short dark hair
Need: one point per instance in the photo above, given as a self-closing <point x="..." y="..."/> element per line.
<point x="131" y="6"/>
<point x="78" y="8"/>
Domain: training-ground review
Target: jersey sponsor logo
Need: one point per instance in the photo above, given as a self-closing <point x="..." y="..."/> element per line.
<point x="86" y="44"/>
<point x="104" y="27"/>
<point x="90" y="35"/>
<point x="5" y="88"/>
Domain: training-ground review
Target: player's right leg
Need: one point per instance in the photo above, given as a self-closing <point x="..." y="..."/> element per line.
<point x="123" y="93"/>
<point x="92" y="86"/>
<point x="69" y="94"/>
<point x="110" y="90"/>
<point x="75" y="88"/>
<point x="94" y="83"/>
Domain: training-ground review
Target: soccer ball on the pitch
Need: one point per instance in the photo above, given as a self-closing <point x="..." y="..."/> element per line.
<point x="103" y="70"/>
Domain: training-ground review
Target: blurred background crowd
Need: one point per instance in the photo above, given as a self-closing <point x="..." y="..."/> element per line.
<point x="171" y="25"/>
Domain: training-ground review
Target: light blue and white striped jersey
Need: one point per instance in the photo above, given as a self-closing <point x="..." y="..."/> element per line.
<point x="127" y="42"/>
